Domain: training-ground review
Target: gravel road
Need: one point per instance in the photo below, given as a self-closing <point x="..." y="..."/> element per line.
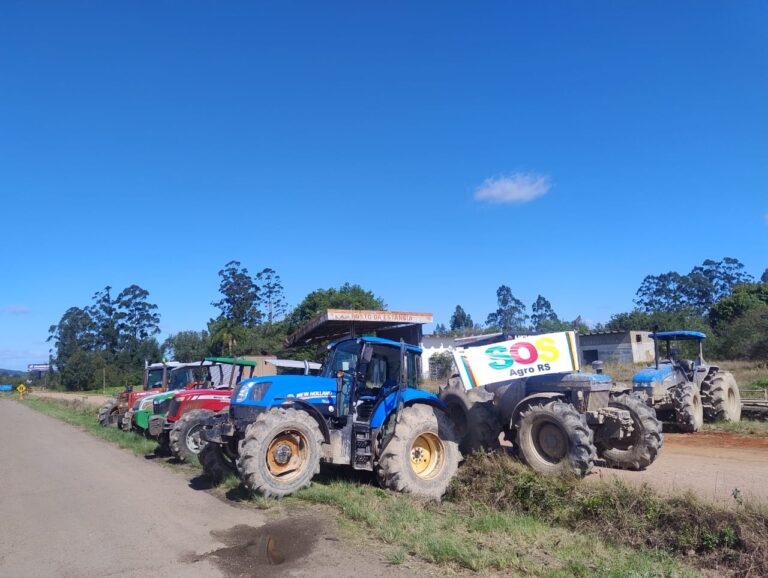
<point x="74" y="506"/>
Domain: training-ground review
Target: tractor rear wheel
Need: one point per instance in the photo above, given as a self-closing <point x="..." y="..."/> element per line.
<point x="423" y="455"/>
<point x="216" y="464"/>
<point x="474" y="416"/>
<point x="689" y="410"/>
<point x="724" y="398"/>
<point x="553" y="438"/>
<point x="185" y="439"/>
<point x="280" y="452"/>
<point x="642" y="446"/>
<point x="108" y="414"/>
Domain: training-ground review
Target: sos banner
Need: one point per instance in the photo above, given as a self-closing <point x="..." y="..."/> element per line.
<point x="523" y="357"/>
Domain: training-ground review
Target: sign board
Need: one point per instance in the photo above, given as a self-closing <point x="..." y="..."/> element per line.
<point x="38" y="367"/>
<point x="516" y="358"/>
<point x="22" y="388"/>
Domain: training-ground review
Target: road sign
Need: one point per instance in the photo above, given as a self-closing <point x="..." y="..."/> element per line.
<point x="22" y="388"/>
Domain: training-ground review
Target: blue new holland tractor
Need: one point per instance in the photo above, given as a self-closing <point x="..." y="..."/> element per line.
<point x="363" y="411"/>
<point x="685" y="391"/>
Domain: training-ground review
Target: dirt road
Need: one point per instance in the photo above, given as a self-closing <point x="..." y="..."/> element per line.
<point x="710" y="464"/>
<point x="74" y="506"/>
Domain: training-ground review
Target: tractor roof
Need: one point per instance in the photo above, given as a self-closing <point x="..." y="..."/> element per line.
<point x="236" y="361"/>
<point x="678" y="335"/>
<point x="378" y="340"/>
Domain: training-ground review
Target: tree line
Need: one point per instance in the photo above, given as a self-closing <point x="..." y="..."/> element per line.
<point x="717" y="297"/>
<point x="108" y="341"/>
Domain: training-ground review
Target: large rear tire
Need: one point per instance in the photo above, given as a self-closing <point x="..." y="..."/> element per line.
<point x="216" y="464"/>
<point x="689" y="409"/>
<point x="108" y="414"/>
<point x="280" y="452"/>
<point x="423" y="455"/>
<point x="642" y="447"/>
<point x="185" y="439"/>
<point x="553" y="438"/>
<point x="474" y="416"/>
<point x="724" y="398"/>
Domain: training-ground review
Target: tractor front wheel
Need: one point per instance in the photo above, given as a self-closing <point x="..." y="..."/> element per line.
<point x="724" y="397"/>
<point x="216" y="464"/>
<point x="185" y="436"/>
<point x="475" y="418"/>
<point x="280" y="452"/>
<point x="554" y="438"/>
<point x="423" y="454"/>
<point x="108" y="414"/>
<point x="689" y="410"/>
<point x="641" y="447"/>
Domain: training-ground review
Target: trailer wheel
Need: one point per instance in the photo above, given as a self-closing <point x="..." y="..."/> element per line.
<point x="216" y="464"/>
<point x="423" y="455"/>
<point x="724" y="397"/>
<point x="642" y="446"/>
<point x="474" y="416"/>
<point x="280" y="452"/>
<point x="108" y="414"/>
<point x="689" y="411"/>
<point x="185" y="439"/>
<point x="553" y="438"/>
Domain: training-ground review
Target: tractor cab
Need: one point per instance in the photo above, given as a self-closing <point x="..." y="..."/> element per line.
<point x="368" y="369"/>
<point x="669" y="359"/>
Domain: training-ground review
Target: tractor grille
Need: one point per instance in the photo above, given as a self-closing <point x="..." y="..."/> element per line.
<point x="161" y="406"/>
<point x="173" y="406"/>
<point x="598" y="399"/>
<point x="364" y="410"/>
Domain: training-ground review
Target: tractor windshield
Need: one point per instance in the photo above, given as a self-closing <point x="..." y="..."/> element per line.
<point x="343" y="358"/>
<point x="179" y="379"/>
<point x="154" y="378"/>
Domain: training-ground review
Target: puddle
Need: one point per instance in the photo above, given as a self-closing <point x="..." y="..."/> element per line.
<point x="263" y="551"/>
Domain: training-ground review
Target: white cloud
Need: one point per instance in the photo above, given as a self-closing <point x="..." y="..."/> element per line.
<point x="15" y="309"/>
<point x="516" y="188"/>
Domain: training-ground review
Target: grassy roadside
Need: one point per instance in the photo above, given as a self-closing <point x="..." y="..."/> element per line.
<point x="501" y="517"/>
<point x="745" y="427"/>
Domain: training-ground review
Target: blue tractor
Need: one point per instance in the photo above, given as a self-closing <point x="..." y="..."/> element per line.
<point x="684" y="391"/>
<point x="363" y="411"/>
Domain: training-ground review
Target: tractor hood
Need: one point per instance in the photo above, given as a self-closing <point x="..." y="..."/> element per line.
<point x="651" y="376"/>
<point x="277" y="388"/>
<point x="147" y="401"/>
<point x="577" y="381"/>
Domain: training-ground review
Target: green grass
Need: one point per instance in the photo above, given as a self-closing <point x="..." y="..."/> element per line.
<point x="745" y="427"/>
<point x="482" y="538"/>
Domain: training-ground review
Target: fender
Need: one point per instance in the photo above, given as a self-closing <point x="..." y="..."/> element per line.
<point x="311" y="410"/>
<point x="548" y="396"/>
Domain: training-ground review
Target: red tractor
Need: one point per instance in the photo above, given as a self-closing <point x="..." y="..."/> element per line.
<point x="189" y="410"/>
<point x="156" y="378"/>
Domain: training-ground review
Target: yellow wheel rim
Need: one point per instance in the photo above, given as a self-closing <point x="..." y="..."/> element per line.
<point x="427" y="453"/>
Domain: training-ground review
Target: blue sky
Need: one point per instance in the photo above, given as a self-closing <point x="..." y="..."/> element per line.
<point x="429" y="151"/>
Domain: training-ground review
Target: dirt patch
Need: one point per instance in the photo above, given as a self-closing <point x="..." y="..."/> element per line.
<point x="713" y="465"/>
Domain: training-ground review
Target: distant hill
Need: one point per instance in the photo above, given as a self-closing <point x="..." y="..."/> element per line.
<point x="11" y="372"/>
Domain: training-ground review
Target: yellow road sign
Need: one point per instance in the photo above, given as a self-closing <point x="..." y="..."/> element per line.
<point x="22" y="388"/>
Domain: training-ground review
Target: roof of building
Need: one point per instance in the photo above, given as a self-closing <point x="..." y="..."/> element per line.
<point x="336" y="323"/>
